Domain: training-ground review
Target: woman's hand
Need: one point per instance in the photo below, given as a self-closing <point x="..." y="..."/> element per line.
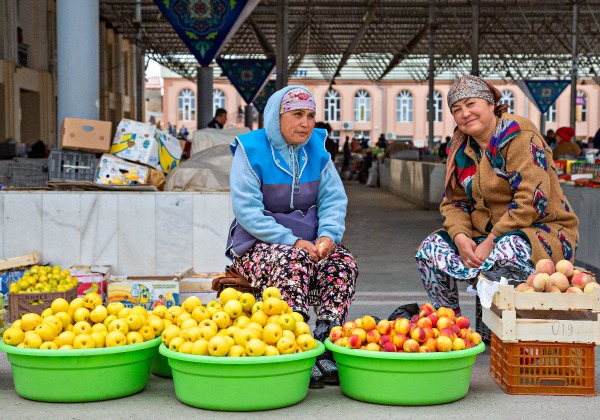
<point x="466" y="249"/>
<point x="485" y="248"/>
<point x="325" y="246"/>
<point x="308" y="247"/>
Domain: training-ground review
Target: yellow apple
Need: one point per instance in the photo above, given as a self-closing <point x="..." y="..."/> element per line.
<point x="109" y="319"/>
<point x="186" y="347"/>
<point x="200" y="313"/>
<point x="188" y="323"/>
<point x="32" y="341"/>
<point x="270" y="292"/>
<point x="247" y="300"/>
<point x="84" y="341"/>
<point x="55" y="322"/>
<point x="271" y="351"/>
<point x="258" y="306"/>
<point x="59" y="305"/>
<point x="49" y="345"/>
<point x="30" y="321"/>
<point x="82" y="327"/>
<point x="74" y="305"/>
<point x="134" y="322"/>
<point x="182" y="317"/>
<point x="99" y="314"/>
<point x="46" y="331"/>
<point x="99" y="339"/>
<point x="190" y="334"/>
<point x="113" y="308"/>
<point x="160" y="311"/>
<point x="115" y="338"/>
<point x="287" y="322"/>
<point x="272" y="306"/>
<point x="157" y="324"/>
<point x="218" y="346"/>
<point x="190" y="303"/>
<point x="236" y="351"/>
<point x="206" y="332"/>
<point x="209" y="323"/>
<point x="64" y="317"/>
<point x="91" y="300"/>
<point x="228" y="294"/>
<point x="285" y="345"/>
<point x="134" y="337"/>
<point x="301" y="328"/>
<point x="222" y="319"/>
<point x="306" y="342"/>
<point x="99" y="328"/>
<point x="272" y="333"/>
<point x="13" y="336"/>
<point x="119" y="324"/>
<point x="66" y="338"/>
<point x="233" y="308"/>
<point x="81" y="314"/>
<point x="260" y="317"/>
<point x="46" y="312"/>
<point x="169" y="333"/>
<point x="243" y="336"/>
<point x="241" y="321"/>
<point x="140" y="310"/>
<point x="298" y="316"/>
<point x="255" y="347"/>
<point x="200" y="348"/>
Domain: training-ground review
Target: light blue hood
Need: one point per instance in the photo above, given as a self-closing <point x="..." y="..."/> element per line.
<point x="271" y="119"/>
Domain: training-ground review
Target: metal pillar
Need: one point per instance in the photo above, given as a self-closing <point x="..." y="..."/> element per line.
<point x="431" y="77"/>
<point x="475" y="38"/>
<point x="205" y="96"/>
<point x="281" y="58"/>
<point x="77" y="45"/>
<point x="139" y="64"/>
<point x="248" y="116"/>
<point x="543" y="124"/>
<point x="574" y="68"/>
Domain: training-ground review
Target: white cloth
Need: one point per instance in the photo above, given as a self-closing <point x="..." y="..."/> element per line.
<point x="487" y="288"/>
<point x="209" y="137"/>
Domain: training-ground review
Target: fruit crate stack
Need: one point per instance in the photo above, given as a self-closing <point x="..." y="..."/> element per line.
<point x="24" y="303"/>
<point x="70" y="165"/>
<point x="543" y="343"/>
<point x="26" y="173"/>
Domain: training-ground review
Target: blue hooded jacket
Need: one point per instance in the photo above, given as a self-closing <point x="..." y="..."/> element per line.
<point x="282" y="193"/>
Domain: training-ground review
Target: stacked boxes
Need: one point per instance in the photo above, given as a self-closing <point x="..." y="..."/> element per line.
<point x="144" y="291"/>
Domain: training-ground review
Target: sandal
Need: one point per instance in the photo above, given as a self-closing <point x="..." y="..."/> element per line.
<point x="316" y="378"/>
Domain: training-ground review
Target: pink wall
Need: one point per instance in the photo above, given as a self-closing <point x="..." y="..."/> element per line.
<point x="383" y="116"/>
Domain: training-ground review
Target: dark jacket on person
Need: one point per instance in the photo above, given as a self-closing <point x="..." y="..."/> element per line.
<point x="214" y="124"/>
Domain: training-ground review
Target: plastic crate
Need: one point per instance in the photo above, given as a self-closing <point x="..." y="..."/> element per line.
<point x="480" y="326"/>
<point x="69" y="165"/>
<point x="542" y="368"/>
<point x="23" y="172"/>
<point x="23" y="303"/>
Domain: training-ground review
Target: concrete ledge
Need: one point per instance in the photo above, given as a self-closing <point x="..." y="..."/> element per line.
<point x="421" y="183"/>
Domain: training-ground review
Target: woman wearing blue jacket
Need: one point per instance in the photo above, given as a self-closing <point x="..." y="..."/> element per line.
<point x="290" y="207"/>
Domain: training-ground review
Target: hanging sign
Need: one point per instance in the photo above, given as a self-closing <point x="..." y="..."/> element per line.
<point x="260" y="101"/>
<point x="543" y="93"/>
<point x="247" y="75"/>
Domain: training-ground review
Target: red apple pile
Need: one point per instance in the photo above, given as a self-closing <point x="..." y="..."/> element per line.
<point x="559" y="278"/>
<point x="427" y="331"/>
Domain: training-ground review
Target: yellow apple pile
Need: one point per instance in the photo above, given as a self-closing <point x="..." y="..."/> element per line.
<point x="43" y="279"/>
<point x="237" y="326"/>
<point x="427" y="331"/>
<point x="559" y="278"/>
<point x="84" y="323"/>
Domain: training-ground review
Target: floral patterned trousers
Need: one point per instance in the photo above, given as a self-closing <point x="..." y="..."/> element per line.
<point x="293" y="272"/>
<point x="440" y="266"/>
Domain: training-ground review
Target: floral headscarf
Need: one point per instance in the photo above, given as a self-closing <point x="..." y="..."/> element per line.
<point x="297" y="99"/>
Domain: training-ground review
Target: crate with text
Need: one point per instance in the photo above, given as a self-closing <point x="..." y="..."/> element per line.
<point x="144" y="291"/>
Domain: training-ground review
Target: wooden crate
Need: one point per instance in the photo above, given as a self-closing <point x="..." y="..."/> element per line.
<point x="23" y="303"/>
<point x="548" y="317"/>
<point x="24" y="261"/>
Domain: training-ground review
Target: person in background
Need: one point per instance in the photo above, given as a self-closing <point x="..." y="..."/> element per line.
<point x="347" y="154"/>
<point x="219" y="120"/>
<point x="172" y="130"/>
<point x="381" y="143"/>
<point x="565" y="148"/>
<point x="503" y="209"/>
<point x="551" y="138"/>
<point x="443" y="153"/>
<point x="183" y="133"/>
<point x="290" y="208"/>
<point x="597" y="139"/>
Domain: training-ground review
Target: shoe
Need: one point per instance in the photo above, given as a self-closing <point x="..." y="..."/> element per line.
<point x="404" y="311"/>
<point x="322" y="329"/>
<point x="316" y="378"/>
<point x="328" y="368"/>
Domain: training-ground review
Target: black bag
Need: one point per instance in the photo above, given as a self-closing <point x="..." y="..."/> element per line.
<point x="405" y="311"/>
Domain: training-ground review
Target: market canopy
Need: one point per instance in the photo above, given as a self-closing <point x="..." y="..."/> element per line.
<point x="517" y="39"/>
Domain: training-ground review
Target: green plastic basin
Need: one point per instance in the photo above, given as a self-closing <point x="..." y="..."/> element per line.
<point x="160" y="366"/>
<point x="404" y="378"/>
<point x="81" y="375"/>
<point x="241" y="383"/>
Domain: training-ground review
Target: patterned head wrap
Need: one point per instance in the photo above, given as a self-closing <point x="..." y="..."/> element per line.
<point x="565" y="134"/>
<point x="470" y="86"/>
<point x="297" y="99"/>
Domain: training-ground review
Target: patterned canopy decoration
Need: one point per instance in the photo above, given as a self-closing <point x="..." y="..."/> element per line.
<point x="543" y="93"/>
<point x="260" y="101"/>
<point x="247" y="75"/>
<point x="205" y="25"/>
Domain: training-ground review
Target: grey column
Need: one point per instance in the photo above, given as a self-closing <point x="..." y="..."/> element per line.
<point x="431" y="76"/>
<point x="574" y="67"/>
<point x="248" y="116"/>
<point x="475" y="38"/>
<point x="281" y="58"/>
<point x="139" y="64"/>
<point x="205" y="96"/>
<point x="78" y="59"/>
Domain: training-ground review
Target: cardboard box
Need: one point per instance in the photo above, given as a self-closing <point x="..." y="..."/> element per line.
<point x="144" y="291"/>
<point x="91" y="279"/>
<point x="205" y="297"/>
<point x="146" y="144"/>
<point x="87" y="135"/>
<point x="24" y="261"/>
<point x="23" y="303"/>
<point x="197" y="282"/>
<point x="115" y="171"/>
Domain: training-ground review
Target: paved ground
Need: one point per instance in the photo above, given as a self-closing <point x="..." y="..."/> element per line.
<point x="383" y="232"/>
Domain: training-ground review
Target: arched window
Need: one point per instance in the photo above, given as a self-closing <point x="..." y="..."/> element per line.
<point x="581" y="106"/>
<point x="187" y="105"/>
<point x="218" y="100"/>
<point x="332" y="109"/>
<point x="437" y="106"/>
<point x="404" y="106"/>
<point x="362" y="106"/>
<point x="508" y="98"/>
<point x="551" y="113"/>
